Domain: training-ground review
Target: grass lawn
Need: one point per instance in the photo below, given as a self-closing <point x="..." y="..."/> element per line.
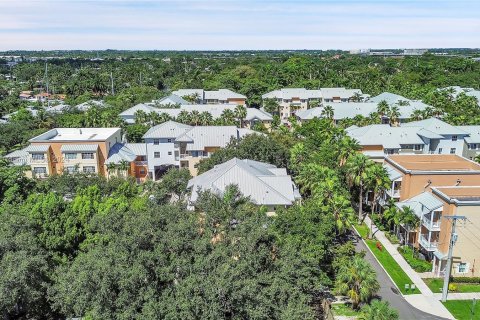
<point x="393" y="269"/>
<point x="436" y="285"/>
<point x="462" y="309"/>
<point x="344" y="310"/>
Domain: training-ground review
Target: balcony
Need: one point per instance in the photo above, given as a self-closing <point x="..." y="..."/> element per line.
<point x="393" y="193"/>
<point x="44" y="160"/>
<point x="429" y="246"/>
<point x="432" y="226"/>
<point x="141" y="163"/>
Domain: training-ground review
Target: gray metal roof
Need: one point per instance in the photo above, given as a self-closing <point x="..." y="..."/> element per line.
<point x="393" y="174"/>
<point x="172" y="99"/>
<point x="436" y="125"/>
<point x="289" y="93"/>
<point x="169" y="129"/>
<point x="210" y="136"/>
<point x="18" y="157"/>
<point x="120" y="152"/>
<point x="473" y="131"/>
<point x="264" y="183"/>
<point x="422" y="204"/>
<point x="79" y="148"/>
<point x="139" y="149"/>
<point x="37" y="148"/>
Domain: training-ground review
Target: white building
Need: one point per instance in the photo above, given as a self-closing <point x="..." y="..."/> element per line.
<point x="172" y="144"/>
<point x="263" y="183"/>
<point x="221" y="96"/>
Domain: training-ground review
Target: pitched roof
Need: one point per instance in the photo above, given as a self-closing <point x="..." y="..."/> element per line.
<point x="264" y="183"/>
<point x="289" y="93"/>
<point x="37" y="148"/>
<point x="169" y="129"/>
<point x="421" y="204"/>
<point x="342" y="93"/>
<point x="388" y="136"/>
<point x="437" y="126"/>
<point x="473" y="131"/>
<point x="120" y="152"/>
<point x="171" y="99"/>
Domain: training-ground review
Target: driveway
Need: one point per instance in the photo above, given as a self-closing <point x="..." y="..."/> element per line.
<point x="389" y="292"/>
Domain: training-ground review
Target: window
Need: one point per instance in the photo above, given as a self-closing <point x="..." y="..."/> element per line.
<point x="88" y="169"/>
<point x="462" y="267"/>
<point x="194" y="153"/>
<point x="87" y="155"/>
<point x="454" y="138"/>
<point x="156" y="154"/>
<point x="205" y="153"/>
<point x="142" y="158"/>
<point x="472" y="146"/>
<point x="71" y="169"/>
<point x="38" y="156"/>
<point x="418" y="147"/>
<point x="156" y="142"/>
<point x="70" y="156"/>
<point x="440" y="150"/>
<point x="169" y="140"/>
<point x="142" y="171"/>
<point x="40" y="170"/>
<point x="169" y="153"/>
<point x="453" y="150"/>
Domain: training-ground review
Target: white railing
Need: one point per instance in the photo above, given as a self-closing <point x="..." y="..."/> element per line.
<point x="394" y="193"/>
<point x="430" y="246"/>
<point x="141" y="163"/>
<point x="429" y="224"/>
<point x="44" y="160"/>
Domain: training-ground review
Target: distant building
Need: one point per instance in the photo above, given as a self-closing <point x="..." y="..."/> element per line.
<point x="221" y="96"/>
<point x="265" y="184"/>
<point x="414" y="52"/>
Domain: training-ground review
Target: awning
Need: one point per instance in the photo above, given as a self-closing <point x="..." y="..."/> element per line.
<point x="79" y="148"/>
<point x="37" y="148"/>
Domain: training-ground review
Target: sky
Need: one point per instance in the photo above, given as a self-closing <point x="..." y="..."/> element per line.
<point x="238" y="24"/>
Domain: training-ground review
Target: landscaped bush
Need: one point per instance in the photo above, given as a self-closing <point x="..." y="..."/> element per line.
<point x="392" y="238"/>
<point x="452" y="287"/>
<point x="417" y="264"/>
<point x="465" y="279"/>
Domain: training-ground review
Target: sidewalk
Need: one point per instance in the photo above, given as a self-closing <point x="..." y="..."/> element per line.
<point x="427" y="300"/>
<point x="459" y="296"/>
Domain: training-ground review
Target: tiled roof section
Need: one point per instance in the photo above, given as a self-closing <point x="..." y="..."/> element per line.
<point x="263" y="183"/>
<point x="79" y="148"/>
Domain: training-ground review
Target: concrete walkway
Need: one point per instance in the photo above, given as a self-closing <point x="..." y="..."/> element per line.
<point x="426" y="301"/>
<point x="459" y="296"/>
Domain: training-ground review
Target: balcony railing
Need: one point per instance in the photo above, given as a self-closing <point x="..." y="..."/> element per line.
<point x="435" y="225"/>
<point x="430" y="246"/>
<point x="141" y="163"/>
<point x="393" y="193"/>
<point x="44" y="160"/>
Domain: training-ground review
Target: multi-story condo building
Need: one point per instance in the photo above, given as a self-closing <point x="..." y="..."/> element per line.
<point x="265" y="184"/>
<point x="172" y="144"/>
<point x="68" y="149"/>
<point x="294" y="100"/>
<point x="128" y="159"/>
<point x="379" y="140"/>
<point x="453" y="137"/>
<point x="221" y="96"/>
<point x="434" y="186"/>
<point x="252" y="117"/>
<point x="471" y="147"/>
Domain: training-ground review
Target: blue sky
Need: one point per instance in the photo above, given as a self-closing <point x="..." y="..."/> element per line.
<point x="237" y="24"/>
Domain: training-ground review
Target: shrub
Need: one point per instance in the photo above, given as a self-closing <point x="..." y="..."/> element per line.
<point x="465" y="279"/>
<point x="392" y="238"/>
<point x="417" y="264"/>
<point x="452" y="287"/>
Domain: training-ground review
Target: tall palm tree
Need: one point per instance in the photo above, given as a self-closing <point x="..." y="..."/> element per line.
<point x="228" y="117"/>
<point x="393" y="115"/>
<point x="140" y="116"/>
<point x="357" y="280"/>
<point x="111" y="168"/>
<point x="206" y="118"/>
<point x="240" y="114"/>
<point x="377" y="182"/>
<point x="194" y="117"/>
<point x="410" y="221"/>
<point x="123" y="166"/>
<point x="164" y="117"/>
<point x="184" y="117"/>
<point x="347" y="148"/>
<point x="357" y="168"/>
<point x="417" y="115"/>
<point x="378" y="310"/>
<point x="328" y="112"/>
<point x="383" y="108"/>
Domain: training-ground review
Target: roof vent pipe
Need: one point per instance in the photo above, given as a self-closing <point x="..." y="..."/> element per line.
<point x="429" y="182"/>
<point x="458" y="182"/>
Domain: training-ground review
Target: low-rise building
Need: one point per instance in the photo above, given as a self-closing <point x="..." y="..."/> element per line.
<point x="128" y="159"/>
<point x="221" y="96"/>
<point x="69" y="150"/>
<point x="173" y="144"/>
<point x="471" y="147"/>
<point x="265" y="184"/>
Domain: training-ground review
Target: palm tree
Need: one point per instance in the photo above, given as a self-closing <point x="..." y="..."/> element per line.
<point x="111" y="168"/>
<point x="184" y="117"/>
<point x="357" y="97"/>
<point x="140" y="116"/>
<point x="164" y="117"/>
<point x="393" y="115"/>
<point x="378" y="310"/>
<point x="417" y="115"/>
<point x="271" y="105"/>
<point x="403" y="103"/>
<point x="206" y="118"/>
<point x="194" y="117"/>
<point x="377" y="182"/>
<point x="383" y="108"/>
<point x="328" y="112"/>
<point x="228" y="117"/>
<point x="357" y="280"/>
<point x="410" y="221"/>
<point x="357" y="168"/>
<point x="124" y="166"/>
<point x="240" y="114"/>
<point x="348" y="147"/>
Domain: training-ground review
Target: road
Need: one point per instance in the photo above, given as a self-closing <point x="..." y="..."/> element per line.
<point x="389" y="292"/>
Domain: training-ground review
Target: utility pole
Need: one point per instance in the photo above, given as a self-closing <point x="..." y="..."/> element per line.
<point x="453" y="239"/>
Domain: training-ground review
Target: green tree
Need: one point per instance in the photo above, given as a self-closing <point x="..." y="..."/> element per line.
<point x="240" y="114"/>
<point x="357" y="168"/>
<point x="378" y="310"/>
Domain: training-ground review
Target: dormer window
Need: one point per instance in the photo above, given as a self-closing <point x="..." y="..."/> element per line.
<point x="454" y="138"/>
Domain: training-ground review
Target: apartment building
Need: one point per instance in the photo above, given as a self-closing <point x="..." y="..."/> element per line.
<point x="416" y="183"/>
<point x="128" y="159"/>
<point x="68" y="149"/>
<point x="265" y="184"/>
<point x="221" y="96"/>
<point x="173" y="144"/>
<point x="380" y="140"/>
<point x="252" y="117"/>
<point x="471" y="147"/>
